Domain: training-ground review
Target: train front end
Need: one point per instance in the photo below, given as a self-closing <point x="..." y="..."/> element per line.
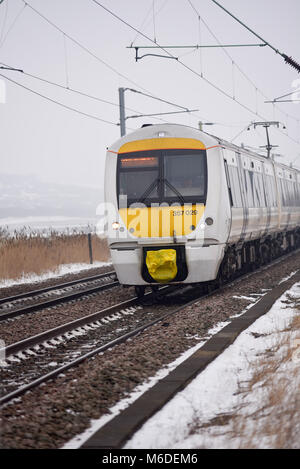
<point x="162" y="209"/>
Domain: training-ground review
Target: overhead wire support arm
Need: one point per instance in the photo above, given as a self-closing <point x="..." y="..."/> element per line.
<point x="289" y="60"/>
<point x="266" y="126"/>
<point x="160" y="114"/>
<point x="123" y="117"/>
<point x="196" y="46"/>
<point x="154" y="97"/>
<point x="280" y="100"/>
<point x="137" y="57"/>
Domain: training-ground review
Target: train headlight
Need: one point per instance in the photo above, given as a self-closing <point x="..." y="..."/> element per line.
<point x="115" y="225"/>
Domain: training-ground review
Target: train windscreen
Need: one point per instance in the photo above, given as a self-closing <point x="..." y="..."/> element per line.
<point x="172" y="176"/>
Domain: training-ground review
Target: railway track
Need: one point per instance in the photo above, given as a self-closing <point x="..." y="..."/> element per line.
<point x="81" y="327"/>
<point x="36" y="300"/>
<point x="30" y="347"/>
<point x="119" y="430"/>
<point x="96" y="383"/>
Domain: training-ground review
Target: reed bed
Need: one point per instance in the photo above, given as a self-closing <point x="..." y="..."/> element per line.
<point x="26" y="252"/>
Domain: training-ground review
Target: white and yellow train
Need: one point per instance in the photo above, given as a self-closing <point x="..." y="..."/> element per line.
<point x="188" y="207"/>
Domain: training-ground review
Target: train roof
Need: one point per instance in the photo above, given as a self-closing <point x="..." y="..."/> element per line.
<point x="148" y="131"/>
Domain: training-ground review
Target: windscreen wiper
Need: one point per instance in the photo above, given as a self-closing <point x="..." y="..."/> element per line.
<point x="154" y="184"/>
<point x="180" y="196"/>
<point x="148" y="191"/>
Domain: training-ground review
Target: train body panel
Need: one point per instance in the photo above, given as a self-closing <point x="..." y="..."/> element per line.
<point x="174" y="192"/>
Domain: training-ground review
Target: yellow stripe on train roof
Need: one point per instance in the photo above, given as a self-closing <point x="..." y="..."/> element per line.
<point x="162" y="144"/>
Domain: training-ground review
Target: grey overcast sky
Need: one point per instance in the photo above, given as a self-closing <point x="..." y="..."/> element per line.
<point x="56" y="144"/>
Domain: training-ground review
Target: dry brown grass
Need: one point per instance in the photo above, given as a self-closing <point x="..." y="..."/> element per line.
<point x="268" y="411"/>
<point x="276" y="419"/>
<point x="36" y="253"/>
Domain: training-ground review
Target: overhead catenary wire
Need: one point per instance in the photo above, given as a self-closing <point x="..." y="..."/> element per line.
<point x="289" y="60"/>
<point x="153" y="14"/>
<point x="97" y="98"/>
<point x="57" y="102"/>
<point x="70" y="89"/>
<point x="171" y="55"/>
<point x="12" y="25"/>
<point x="86" y="49"/>
<point x="79" y="44"/>
<point x="92" y="54"/>
<point x="159" y="99"/>
<point x="187" y="67"/>
<point x="146" y="20"/>
<point x="4" y="22"/>
<point x="235" y="63"/>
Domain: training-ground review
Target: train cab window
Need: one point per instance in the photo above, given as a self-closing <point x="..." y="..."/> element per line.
<point x="184" y="174"/>
<point x="138" y="178"/>
<point x="163" y="176"/>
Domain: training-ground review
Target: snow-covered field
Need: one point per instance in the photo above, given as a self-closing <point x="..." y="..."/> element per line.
<point x="46" y="224"/>
<point x="225" y="407"/>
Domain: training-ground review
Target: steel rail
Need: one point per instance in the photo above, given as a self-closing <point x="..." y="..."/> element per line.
<point x="24" y="345"/>
<point x="40" y="291"/>
<point x="55" y="301"/>
<point x="14" y="348"/>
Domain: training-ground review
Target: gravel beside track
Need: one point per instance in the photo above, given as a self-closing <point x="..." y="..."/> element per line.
<point x="16" y="329"/>
<point x="50" y="415"/>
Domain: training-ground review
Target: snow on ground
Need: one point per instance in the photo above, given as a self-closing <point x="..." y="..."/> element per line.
<point x="211" y="394"/>
<point x="59" y="272"/>
<point x="44" y="225"/>
<point x="187" y="421"/>
<point x="95" y="424"/>
<point x="42" y="222"/>
<point x="78" y="440"/>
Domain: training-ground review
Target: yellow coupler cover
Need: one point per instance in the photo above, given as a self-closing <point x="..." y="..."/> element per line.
<point x="162" y="264"/>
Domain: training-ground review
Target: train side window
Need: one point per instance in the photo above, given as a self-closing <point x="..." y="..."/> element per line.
<point x="263" y="202"/>
<point x="235" y="186"/>
<point x="284" y="198"/>
<point x="248" y="188"/>
<point x="289" y="193"/>
<point x="228" y="182"/>
<point x="297" y="187"/>
<point x="270" y="182"/>
<point x="294" y="193"/>
<point x="258" y="195"/>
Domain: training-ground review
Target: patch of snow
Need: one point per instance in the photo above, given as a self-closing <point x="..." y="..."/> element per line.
<point x="287" y="277"/>
<point x="215" y="391"/>
<point x="78" y="440"/>
<point x="62" y="270"/>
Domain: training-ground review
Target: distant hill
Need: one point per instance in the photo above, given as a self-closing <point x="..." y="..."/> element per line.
<point x="22" y="196"/>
